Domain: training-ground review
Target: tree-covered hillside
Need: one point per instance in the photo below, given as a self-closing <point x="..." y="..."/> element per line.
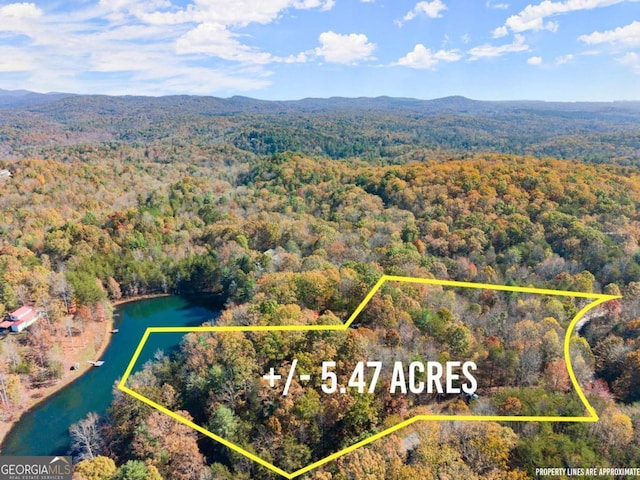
<point x="292" y="237"/>
<point x="374" y="129"/>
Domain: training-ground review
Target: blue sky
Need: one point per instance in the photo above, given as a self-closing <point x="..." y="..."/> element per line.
<point x="288" y="49"/>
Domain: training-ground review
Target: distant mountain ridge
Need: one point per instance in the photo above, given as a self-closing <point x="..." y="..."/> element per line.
<point x="365" y="127"/>
<point x="24" y="98"/>
<point x="237" y="104"/>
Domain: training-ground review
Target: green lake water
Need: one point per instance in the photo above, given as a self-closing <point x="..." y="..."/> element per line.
<point x="44" y="429"/>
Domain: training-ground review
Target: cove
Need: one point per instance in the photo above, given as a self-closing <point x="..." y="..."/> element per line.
<point x="44" y="430"/>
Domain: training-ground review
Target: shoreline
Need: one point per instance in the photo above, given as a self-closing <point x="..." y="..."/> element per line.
<point x="47" y="392"/>
<point x="137" y="298"/>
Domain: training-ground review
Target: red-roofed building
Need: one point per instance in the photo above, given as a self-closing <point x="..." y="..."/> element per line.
<point x="21" y="313"/>
<point x="22" y="318"/>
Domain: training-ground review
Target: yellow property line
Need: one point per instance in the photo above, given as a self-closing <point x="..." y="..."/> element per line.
<point x="592" y="417"/>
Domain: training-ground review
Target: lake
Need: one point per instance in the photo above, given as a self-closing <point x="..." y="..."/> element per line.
<point x="44" y="429"/>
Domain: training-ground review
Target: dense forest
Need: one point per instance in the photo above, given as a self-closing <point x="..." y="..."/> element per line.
<point x="383" y="129"/>
<point x="291" y="213"/>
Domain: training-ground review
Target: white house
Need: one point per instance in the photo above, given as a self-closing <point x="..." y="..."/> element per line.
<point x="22" y="318"/>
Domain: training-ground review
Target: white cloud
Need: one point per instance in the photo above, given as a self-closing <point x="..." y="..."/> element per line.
<point x="323" y="5"/>
<point x="535" y="61"/>
<point x="230" y="13"/>
<point x="301" y="57"/>
<point x="346" y="49"/>
<point x="499" y="6"/>
<point x="20" y="10"/>
<point x="20" y="18"/>
<point x="432" y="9"/>
<point x="424" y="58"/>
<point x="628" y="35"/>
<point x="631" y="59"/>
<point x="215" y="40"/>
<point x="122" y="61"/>
<point x="200" y="80"/>
<point x="562" y="59"/>
<point x="15" y="60"/>
<point x="487" y="50"/>
<point x="500" y="32"/>
<point x="552" y="26"/>
<point x="216" y="21"/>
<point x="618" y="40"/>
<point x="533" y="17"/>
